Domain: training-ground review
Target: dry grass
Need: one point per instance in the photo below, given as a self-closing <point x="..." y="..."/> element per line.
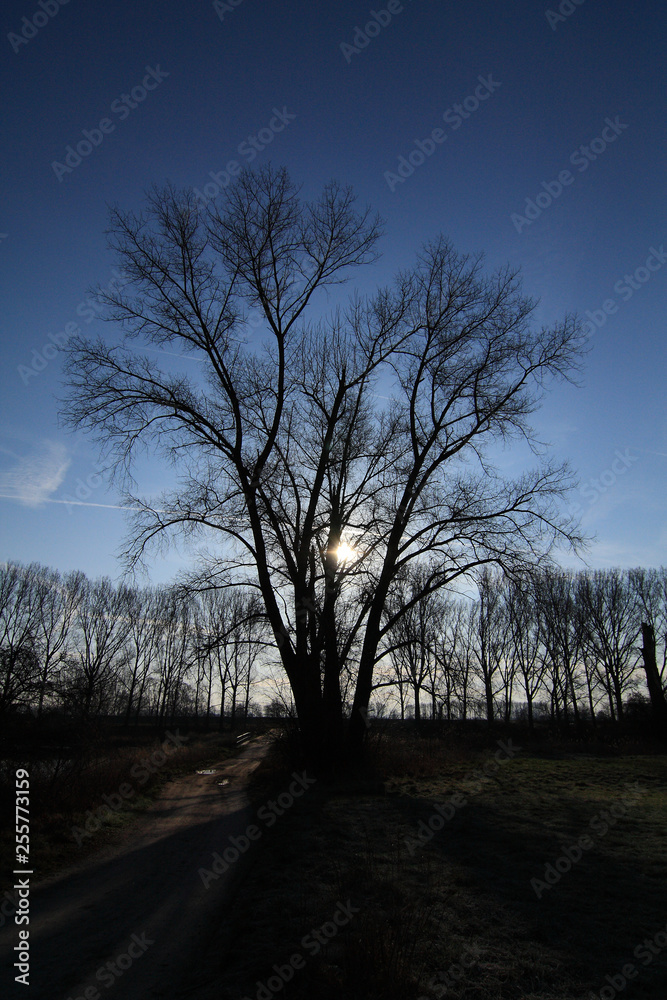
<point x="466" y="894"/>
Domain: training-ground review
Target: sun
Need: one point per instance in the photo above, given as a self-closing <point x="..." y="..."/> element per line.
<point x="345" y="553"/>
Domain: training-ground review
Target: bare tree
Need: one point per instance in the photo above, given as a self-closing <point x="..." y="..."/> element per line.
<point x="144" y="612"/>
<point x="489" y="638"/>
<point x="504" y="650"/>
<point x="19" y="624"/>
<point x="454" y="653"/>
<point x="526" y="648"/>
<point x="561" y="627"/>
<point x="610" y="614"/>
<point x="231" y="637"/>
<point x="389" y="677"/>
<point x="174" y="655"/>
<point x="203" y="661"/>
<point x="101" y="628"/>
<point x="321" y="492"/>
<point x="413" y="635"/>
<point x="57" y="599"/>
<point x="650" y="589"/>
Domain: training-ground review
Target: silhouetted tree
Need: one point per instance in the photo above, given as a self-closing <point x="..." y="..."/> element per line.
<point x="526" y="647"/>
<point x="144" y="612"/>
<point x="561" y="627"/>
<point x="608" y="609"/>
<point x="286" y="448"/>
<point x="650" y="589"/>
<point x="57" y="599"/>
<point x="101" y="628"/>
<point x="489" y="637"/>
<point x="412" y="636"/>
<point x="19" y="624"/>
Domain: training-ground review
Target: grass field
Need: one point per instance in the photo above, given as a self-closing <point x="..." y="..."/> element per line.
<point x="342" y="900"/>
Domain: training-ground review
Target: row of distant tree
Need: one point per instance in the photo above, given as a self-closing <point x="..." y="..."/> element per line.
<point x="563" y="643"/>
<point x="90" y="647"/>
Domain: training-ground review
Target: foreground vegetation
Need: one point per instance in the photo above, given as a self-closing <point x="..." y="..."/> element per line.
<point x="459" y="914"/>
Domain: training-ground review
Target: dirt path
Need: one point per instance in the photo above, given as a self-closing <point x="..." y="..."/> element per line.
<point x="136" y="922"/>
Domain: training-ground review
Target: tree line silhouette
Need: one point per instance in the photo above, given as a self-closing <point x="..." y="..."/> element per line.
<point x="92" y="647"/>
<point x="554" y="644"/>
<point x="565" y="645"/>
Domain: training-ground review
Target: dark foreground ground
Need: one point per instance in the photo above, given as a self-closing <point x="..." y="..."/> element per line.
<point x="468" y="864"/>
<point x="462" y="867"/>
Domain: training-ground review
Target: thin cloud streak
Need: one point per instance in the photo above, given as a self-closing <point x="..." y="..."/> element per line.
<point x="73" y="503"/>
<point x="86" y="503"/>
<point x="35" y="476"/>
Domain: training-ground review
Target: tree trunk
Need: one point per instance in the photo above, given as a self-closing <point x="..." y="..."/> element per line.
<point x="332" y="701"/>
<point x="42" y="689"/>
<point x="657" y="695"/>
<point x="612" y="711"/>
<point x="358" y="725"/>
<point x="589" y="685"/>
<point x="208" y="698"/>
<point x="573" y="695"/>
<point x="591" y="704"/>
<point x="618" y="694"/>
<point x="130" y="694"/>
<point x="488" y="691"/>
<point x="317" y="742"/>
<point x="222" y="707"/>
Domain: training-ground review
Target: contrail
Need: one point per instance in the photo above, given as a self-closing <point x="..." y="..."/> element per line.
<point x="76" y="503"/>
<point x="86" y="503"/>
<point x="172" y="354"/>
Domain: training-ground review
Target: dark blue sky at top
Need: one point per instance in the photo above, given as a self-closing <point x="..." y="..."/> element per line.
<point x="355" y="115"/>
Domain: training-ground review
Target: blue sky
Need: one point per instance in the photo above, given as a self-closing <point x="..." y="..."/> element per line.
<point x="554" y="161"/>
